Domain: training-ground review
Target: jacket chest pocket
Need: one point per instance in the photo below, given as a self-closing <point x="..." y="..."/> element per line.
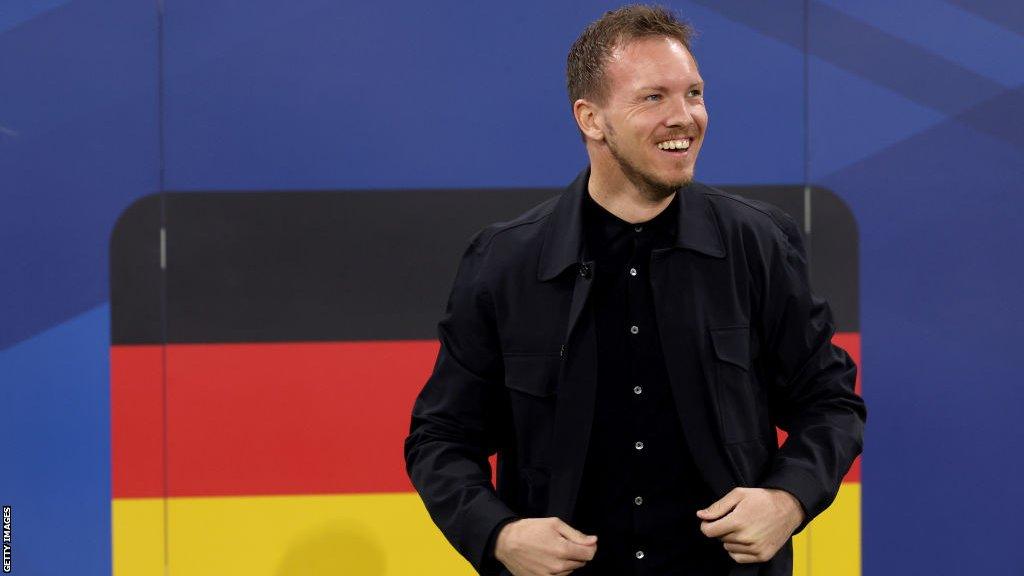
<point x="535" y="375"/>
<point x="742" y="412"/>
<point x="531" y="381"/>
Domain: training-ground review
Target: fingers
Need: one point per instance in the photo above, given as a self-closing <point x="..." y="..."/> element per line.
<point x="577" y="552"/>
<point x="576" y="545"/>
<point x="720" y="528"/>
<point x="734" y="538"/>
<point x="718" y="519"/>
<point x="567" y="566"/>
<point x="546" y="546"/>
<point x="565" y="561"/>
<point x="739" y="548"/>
<point x="574" y="535"/>
<point x="722" y="506"/>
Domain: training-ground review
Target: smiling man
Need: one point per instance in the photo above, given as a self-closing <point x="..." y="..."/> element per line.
<point x="642" y="117"/>
<point x="628" y="349"/>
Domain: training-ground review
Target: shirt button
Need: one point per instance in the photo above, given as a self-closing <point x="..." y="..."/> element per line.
<point x="638" y="500"/>
<point x="633" y="329"/>
<point x="638" y="228"/>
<point x="637" y="390"/>
<point x="639" y="445"/>
<point x="632" y="271"/>
<point x="639" y="554"/>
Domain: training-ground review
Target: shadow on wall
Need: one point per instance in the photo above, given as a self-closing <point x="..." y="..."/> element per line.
<point x="341" y="547"/>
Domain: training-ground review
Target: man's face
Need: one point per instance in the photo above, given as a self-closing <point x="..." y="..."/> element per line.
<point x="653" y="115"/>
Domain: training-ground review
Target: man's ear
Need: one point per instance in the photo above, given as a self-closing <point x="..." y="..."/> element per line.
<point x="587" y="119"/>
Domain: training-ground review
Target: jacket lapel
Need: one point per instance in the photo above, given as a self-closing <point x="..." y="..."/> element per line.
<point x="563" y="247"/>
<point x="575" y="404"/>
<point x="563" y="232"/>
<point x="679" y="309"/>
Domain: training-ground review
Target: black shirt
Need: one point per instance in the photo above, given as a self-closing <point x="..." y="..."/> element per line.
<point x="640" y="489"/>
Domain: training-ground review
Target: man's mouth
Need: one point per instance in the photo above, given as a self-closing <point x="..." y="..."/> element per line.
<point x="679" y="146"/>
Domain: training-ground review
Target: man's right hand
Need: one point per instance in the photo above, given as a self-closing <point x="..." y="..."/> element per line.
<point x="543" y="547"/>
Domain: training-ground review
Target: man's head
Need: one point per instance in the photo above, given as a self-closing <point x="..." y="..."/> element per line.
<point x="638" y="98"/>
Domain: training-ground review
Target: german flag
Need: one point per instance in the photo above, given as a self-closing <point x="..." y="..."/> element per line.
<point x="267" y="349"/>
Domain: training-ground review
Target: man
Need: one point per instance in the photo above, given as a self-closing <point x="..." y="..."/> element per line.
<point x="628" y="348"/>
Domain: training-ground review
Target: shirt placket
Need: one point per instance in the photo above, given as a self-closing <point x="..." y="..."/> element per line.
<point x="635" y="276"/>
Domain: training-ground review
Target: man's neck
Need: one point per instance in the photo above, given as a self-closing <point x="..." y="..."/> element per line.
<point x="618" y="195"/>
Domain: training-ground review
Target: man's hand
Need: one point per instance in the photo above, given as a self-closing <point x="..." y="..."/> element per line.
<point x="543" y="546"/>
<point x="752" y="523"/>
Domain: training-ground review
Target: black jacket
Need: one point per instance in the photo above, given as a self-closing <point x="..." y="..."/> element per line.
<point x="747" y="347"/>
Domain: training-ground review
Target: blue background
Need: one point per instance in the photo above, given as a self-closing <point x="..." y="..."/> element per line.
<point x="911" y="111"/>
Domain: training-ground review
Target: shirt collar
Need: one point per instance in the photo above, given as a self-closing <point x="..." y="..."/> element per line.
<point x="602" y="227"/>
<point x="696" y="227"/>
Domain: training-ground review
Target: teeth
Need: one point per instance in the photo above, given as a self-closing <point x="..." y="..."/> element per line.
<point x="675" y="144"/>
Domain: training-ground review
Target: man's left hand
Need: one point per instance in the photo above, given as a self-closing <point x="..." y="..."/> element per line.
<point x="752" y="523"/>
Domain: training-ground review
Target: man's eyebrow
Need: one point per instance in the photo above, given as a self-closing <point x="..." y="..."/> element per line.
<point x="663" y="89"/>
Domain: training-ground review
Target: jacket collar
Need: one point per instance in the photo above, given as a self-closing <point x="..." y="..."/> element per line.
<point x="697" y="228"/>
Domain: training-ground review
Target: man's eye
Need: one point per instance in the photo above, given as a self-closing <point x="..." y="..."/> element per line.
<point x="696" y="92"/>
<point x="653" y="97"/>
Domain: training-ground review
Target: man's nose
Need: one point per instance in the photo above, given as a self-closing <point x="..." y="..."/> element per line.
<point x="680" y="113"/>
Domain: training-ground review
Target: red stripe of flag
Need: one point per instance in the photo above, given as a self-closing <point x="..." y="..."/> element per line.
<point x="272" y="418"/>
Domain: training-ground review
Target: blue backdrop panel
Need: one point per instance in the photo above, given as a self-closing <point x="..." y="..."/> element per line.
<point x="908" y="111"/>
<point x="78" y="142"/>
<point x="400" y="94"/>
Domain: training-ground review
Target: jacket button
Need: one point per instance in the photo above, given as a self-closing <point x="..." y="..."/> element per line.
<point x="585" y="270"/>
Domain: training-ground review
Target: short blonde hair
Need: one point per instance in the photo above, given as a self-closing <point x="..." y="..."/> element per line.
<point x="585" y="67"/>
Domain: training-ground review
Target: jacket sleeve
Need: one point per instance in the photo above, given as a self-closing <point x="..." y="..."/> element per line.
<point x="454" y="419"/>
<point x="811" y="381"/>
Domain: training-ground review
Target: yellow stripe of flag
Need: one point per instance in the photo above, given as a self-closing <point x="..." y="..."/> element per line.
<point x="364" y="534"/>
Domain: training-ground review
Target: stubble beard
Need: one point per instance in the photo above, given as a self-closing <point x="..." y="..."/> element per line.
<point x="649" y="185"/>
